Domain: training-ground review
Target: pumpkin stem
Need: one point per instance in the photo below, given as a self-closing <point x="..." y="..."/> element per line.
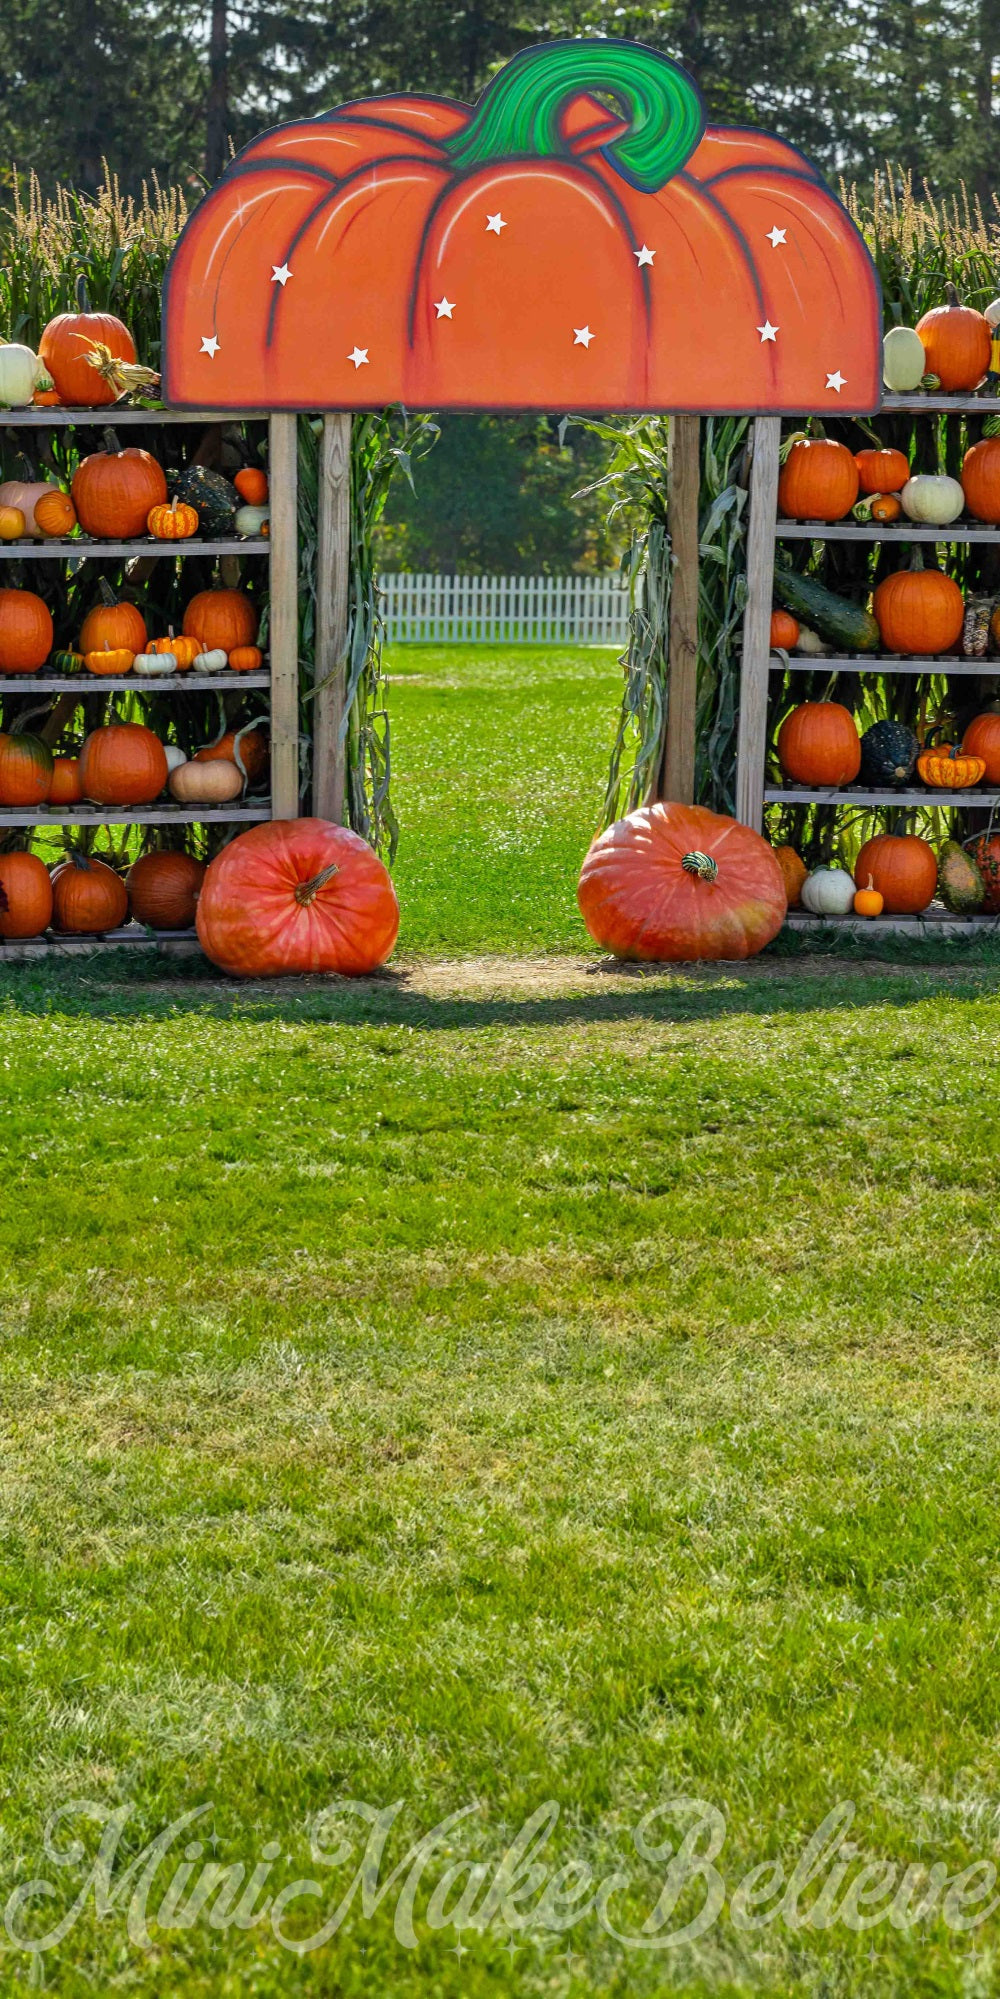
<point x="701" y="865"/>
<point x="308" y="891"/>
<point x="951" y="295"/>
<point x="520" y="114"/>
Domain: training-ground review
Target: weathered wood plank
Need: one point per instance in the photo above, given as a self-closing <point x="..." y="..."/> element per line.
<point x="333" y="569"/>
<point x="751" y="746"/>
<point x="677" y="771"/>
<point x="284" y="619"/>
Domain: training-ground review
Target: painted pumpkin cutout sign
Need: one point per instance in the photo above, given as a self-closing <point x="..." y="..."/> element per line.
<point x="542" y="251"/>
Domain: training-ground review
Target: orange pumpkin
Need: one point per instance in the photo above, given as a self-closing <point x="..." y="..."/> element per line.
<point x="113" y="492"/>
<point x="25" y="770"/>
<point x="25" y="896"/>
<point x="123" y="764"/>
<point x="982" y="739"/>
<point x="26" y="631"/>
<point x="251" y="485"/>
<point x="111" y="660"/>
<point x="173" y="522"/>
<point x="221" y="618"/>
<point x="246" y="659"/>
<point x="55" y="513"/>
<point x="882" y="470"/>
<point x="163" y="890"/>
<point x="301" y="895"/>
<point x="886" y="507"/>
<point x="184" y="650"/>
<point x="676" y="882"/>
<point x="65" y="345"/>
<point x="868" y="901"/>
<point x="956" y="340"/>
<point x="784" y="631"/>
<point x="794" y="872"/>
<point x="87" y="897"/>
<point x="986" y="854"/>
<point x="919" y="612"/>
<point x="252" y="750"/>
<point x="12" y="523"/>
<point x="903" y="868"/>
<point x="980" y="480"/>
<point x="818" y="744"/>
<point x="819" y="481"/>
<point x="64" y="786"/>
<point x="113" y="622"/>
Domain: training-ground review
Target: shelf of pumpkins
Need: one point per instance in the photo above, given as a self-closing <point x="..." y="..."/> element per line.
<point x="107" y="513"/>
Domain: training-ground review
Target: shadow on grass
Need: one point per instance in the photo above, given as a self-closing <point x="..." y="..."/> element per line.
<point x="123" y="986"/>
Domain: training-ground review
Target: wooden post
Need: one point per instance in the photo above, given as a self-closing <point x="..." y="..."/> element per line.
<point x="284" y="628"/>
<point x="751" y="742"/>
<point x="333" y="569"/>
<point x="677" y="772"/>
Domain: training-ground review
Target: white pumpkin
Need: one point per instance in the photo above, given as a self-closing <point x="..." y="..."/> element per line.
<point x="828" y="892"/>
<point x="175" y="756"/>
<point x="153" y="665"/>
<point x="18" y="375"/>
<point x="210" y="662"/>
<point x="933" y="499"/>
<point x="904" y="363"/>
<point x="253" y="520"/>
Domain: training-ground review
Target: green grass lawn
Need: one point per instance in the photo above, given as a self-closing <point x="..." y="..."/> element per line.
<point x="500" y="758"/>
<point x="497" y="1385"/>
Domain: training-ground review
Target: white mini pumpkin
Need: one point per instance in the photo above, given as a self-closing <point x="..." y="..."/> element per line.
<point x="932" y="499"/>
<point x="210" y="662"/>
<point x="253" y="520"/>
<point x="18" y="375"/>
<point x="175" y="756"/>
<point x="153" y="665"/>
<point x="828" y="892"/>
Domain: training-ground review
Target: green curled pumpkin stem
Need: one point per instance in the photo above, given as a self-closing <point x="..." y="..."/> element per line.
<point x="701" y="865"/>
<point x="307" y="892"/>
<point x="518" y="114"/>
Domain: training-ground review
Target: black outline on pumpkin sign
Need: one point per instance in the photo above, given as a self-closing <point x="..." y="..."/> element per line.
<point x="806" y="174"/>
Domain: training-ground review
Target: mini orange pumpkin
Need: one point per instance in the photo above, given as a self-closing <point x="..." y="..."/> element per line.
<point x="784" y="631"/>
<point x="886" y="507"/>
<point x="251" y="485"/>
<point x="246" y="659"/>
<point x="176" y="522"/>
<point x="55" y="513"/>
<point x="868" y="901"/>
<point x="12" y="524"/>
<point x="946" y="768"/>
<point x="109" y="660"/>
<point x="185" y="650"/>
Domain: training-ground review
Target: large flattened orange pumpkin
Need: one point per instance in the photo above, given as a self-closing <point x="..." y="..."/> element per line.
<point x="676" y="882"/>
<point x="297" y="895"/>
<point x="543" y="250"/>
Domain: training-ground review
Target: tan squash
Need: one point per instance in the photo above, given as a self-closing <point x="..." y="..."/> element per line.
<point x="214" y="783"/>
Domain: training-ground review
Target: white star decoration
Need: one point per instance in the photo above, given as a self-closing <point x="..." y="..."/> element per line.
<point x="582" y="336"/>
<point x="644" y="256"/>
<point x="494" y="224"/>
<point x="776" y="236"/>
<point x="359" y="357"/>
<point x="768" y="332"/>
<point x="210" y="345"/>
<point x="837" y="381"/>
<point x="444" y="307"/>
<point x="280" y="275"/>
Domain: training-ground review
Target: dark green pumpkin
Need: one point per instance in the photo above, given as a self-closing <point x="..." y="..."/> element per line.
<point x="888" y="754"/>
<point x="214" y="497"/>
<point x="69" y="662"/>
<point x="960" y="881"/>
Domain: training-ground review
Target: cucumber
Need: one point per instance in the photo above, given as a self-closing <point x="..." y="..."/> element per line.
<point x="836" y="619"/>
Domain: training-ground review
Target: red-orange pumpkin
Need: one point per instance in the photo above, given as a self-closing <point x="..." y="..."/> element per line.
<point x="114" y="624"/>
<point x="55" y="513"/>
<point x="221" y="618"/>
<point x="981" y="479"/>
<point x="297" y="895"/>
<point x="679" y="882"/>
<point x="253" y="748"/>
<point x="25" y="896"/>
<point x="123" y="764"/>
<point x="882" y="471"/>
<point x="986" y="854"/>
<point x="982" y="739"/>
<point x="818" y="744"/>
<point x="794" y="873"/>
<point x="113" y="492"/>
<point x="87" y="896"/>
<point x="919" y="612"/>
<point x="25" y="770"/>
<point x="251" y="484"/>
<point x="65" y="345"/>
<point x="26" y="631"/>
<point x="902" y="867"/>
<point x="163" y="890"/>
<point x="819" y="481"/>
<point x="64" y="786"/>
<point x="956" y="341"/>
<point x="784" y="630"/>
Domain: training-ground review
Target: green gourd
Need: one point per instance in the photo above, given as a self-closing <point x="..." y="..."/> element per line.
<point x="214" y="497"/>
<point x="960" y="882"/>
<point x="889" y="753"/>
<point x="836" y="619"/>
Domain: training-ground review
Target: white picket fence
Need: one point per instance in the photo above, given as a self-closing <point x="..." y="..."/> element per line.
<point x="507" y="610"/>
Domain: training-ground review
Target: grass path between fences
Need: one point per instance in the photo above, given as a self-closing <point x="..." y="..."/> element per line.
<point x="498" y="1384"/>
